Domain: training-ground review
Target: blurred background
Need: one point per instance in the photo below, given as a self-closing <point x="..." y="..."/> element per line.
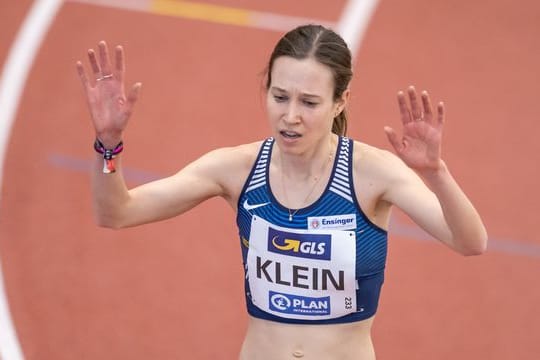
<point x="173" y="290"/>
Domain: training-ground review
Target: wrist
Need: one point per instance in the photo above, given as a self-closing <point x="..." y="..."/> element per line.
<point x="109" y="139"/>
<point x="434" y="173"/>
<point x="109" y="154"/>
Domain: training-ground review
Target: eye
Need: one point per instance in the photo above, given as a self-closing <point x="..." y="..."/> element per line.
<point x="310" y="103"/>
<point x="280" y="98"/>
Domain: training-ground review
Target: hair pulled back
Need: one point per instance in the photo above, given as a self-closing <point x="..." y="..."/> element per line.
<point x="326" y="47"/>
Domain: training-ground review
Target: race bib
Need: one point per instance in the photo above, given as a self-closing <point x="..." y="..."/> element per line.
<point x="302" y="274"/>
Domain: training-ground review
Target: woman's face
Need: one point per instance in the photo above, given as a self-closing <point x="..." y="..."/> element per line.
<point x="300" y="103"/>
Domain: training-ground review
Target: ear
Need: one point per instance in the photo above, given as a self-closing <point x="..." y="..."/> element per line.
<point x="342" y="102"/>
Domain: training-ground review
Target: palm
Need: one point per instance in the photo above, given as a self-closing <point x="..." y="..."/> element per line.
<point x="420" y="144"/>
<point x="109" y="107"/>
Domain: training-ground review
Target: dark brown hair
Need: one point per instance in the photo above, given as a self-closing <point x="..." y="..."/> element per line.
<point x="325" y="46"/>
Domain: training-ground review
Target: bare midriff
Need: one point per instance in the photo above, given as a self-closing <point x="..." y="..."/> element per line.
<point x="268" y="340"/>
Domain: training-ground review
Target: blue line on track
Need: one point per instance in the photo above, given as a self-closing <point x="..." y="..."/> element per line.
<point x="85" y="165"/>
<point x="506" y="246"/>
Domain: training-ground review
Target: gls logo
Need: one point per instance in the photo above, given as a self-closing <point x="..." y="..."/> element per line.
<point x="298" y="246"/>
<point x="311" y="246"/>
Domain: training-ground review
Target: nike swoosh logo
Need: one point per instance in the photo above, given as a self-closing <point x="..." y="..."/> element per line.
<point x="254" y="206"/>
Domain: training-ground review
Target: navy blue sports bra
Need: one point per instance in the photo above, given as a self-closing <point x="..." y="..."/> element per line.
<point x="325" y="265"/>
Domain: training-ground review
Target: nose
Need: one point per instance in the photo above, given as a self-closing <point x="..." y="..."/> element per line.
<point x="293" y="114"/>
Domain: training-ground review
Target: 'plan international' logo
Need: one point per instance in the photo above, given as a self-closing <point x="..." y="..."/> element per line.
<point x="299" y="305"/>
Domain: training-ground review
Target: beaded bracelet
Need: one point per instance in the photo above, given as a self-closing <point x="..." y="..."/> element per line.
<point x="108" y="155"/>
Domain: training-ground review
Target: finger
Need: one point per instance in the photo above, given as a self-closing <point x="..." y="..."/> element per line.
<point x="119" y="62"/>
<point x="393" y="138"/>
<point x="133" y="95"/>
<point x="415" y="107"/>
<point x="440" y="114"/>
<point x="82" y="75"/>
<point x="426" y="103"/>
<point x="93" y="63"/>
<point x="104" y="61"/>
<point x="403" y="109"/>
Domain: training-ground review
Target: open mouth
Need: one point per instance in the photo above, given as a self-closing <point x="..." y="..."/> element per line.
<point x="289" y="134"/>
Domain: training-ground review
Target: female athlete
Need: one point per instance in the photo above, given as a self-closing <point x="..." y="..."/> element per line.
<point x="312" y="205"/>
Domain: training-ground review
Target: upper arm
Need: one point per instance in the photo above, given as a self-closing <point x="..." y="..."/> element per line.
<point x="204" y="178"/>
<point x="442" y="209"/>
<point x="406" y="190"/>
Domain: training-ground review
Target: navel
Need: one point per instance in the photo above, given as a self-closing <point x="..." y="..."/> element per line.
<point x="298" y="354"/>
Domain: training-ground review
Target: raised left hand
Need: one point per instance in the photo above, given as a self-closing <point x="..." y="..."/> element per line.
<point x="420" y="145"/>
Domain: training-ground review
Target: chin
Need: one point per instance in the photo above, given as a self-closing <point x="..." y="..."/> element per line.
<point x="292" y="149"/>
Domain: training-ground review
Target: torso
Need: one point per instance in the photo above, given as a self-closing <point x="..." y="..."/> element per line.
<point x="275" y="340"/>
<point x="268" y="340"/>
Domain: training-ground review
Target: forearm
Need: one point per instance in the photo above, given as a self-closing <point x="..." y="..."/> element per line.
<point x="109" y="194"/>
<point x="469" y="235"/>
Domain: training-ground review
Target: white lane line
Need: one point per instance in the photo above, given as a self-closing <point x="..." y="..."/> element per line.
<point x="354" y="21"/>
<point x="12" y="81"/>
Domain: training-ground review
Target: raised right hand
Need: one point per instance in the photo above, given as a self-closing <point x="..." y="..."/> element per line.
<point x="109" y="107"/>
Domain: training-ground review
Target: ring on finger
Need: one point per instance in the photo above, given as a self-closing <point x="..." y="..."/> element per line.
<point x="104" y="77"/>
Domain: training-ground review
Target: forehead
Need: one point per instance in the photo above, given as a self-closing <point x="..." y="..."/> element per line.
<point x="304" y="76"/>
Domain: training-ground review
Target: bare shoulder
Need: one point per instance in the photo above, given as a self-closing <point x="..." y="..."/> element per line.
<point x="370" y="161"/>
<point x="375" y="172"/>
<point x="381" y="170"/>
<point x="371" y="181"/>
<point x="235" y="157"/>
<point x="231" y="167"/>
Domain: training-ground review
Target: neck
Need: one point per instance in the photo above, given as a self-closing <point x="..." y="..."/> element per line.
<point x="301" y="175"/>
<point x="309" y="164"/>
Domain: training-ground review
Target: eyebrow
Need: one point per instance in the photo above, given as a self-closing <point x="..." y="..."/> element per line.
<point x="303" y="94"/>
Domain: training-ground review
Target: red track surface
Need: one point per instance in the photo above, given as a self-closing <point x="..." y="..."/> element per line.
<point x="173" y="290"/>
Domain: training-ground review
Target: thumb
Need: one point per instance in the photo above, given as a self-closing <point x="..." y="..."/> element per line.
<point x="393" y="138"/>
<point x="134" y="94"/>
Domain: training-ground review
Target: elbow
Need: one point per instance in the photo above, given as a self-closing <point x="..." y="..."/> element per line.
<point x="472" y="243"/>
<point x="473" y="251"/>
<point x="108" y="222"/>
<point x="478" y="247"/>
<point x="111" y="216"/>
<point x="108" y="225"/>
